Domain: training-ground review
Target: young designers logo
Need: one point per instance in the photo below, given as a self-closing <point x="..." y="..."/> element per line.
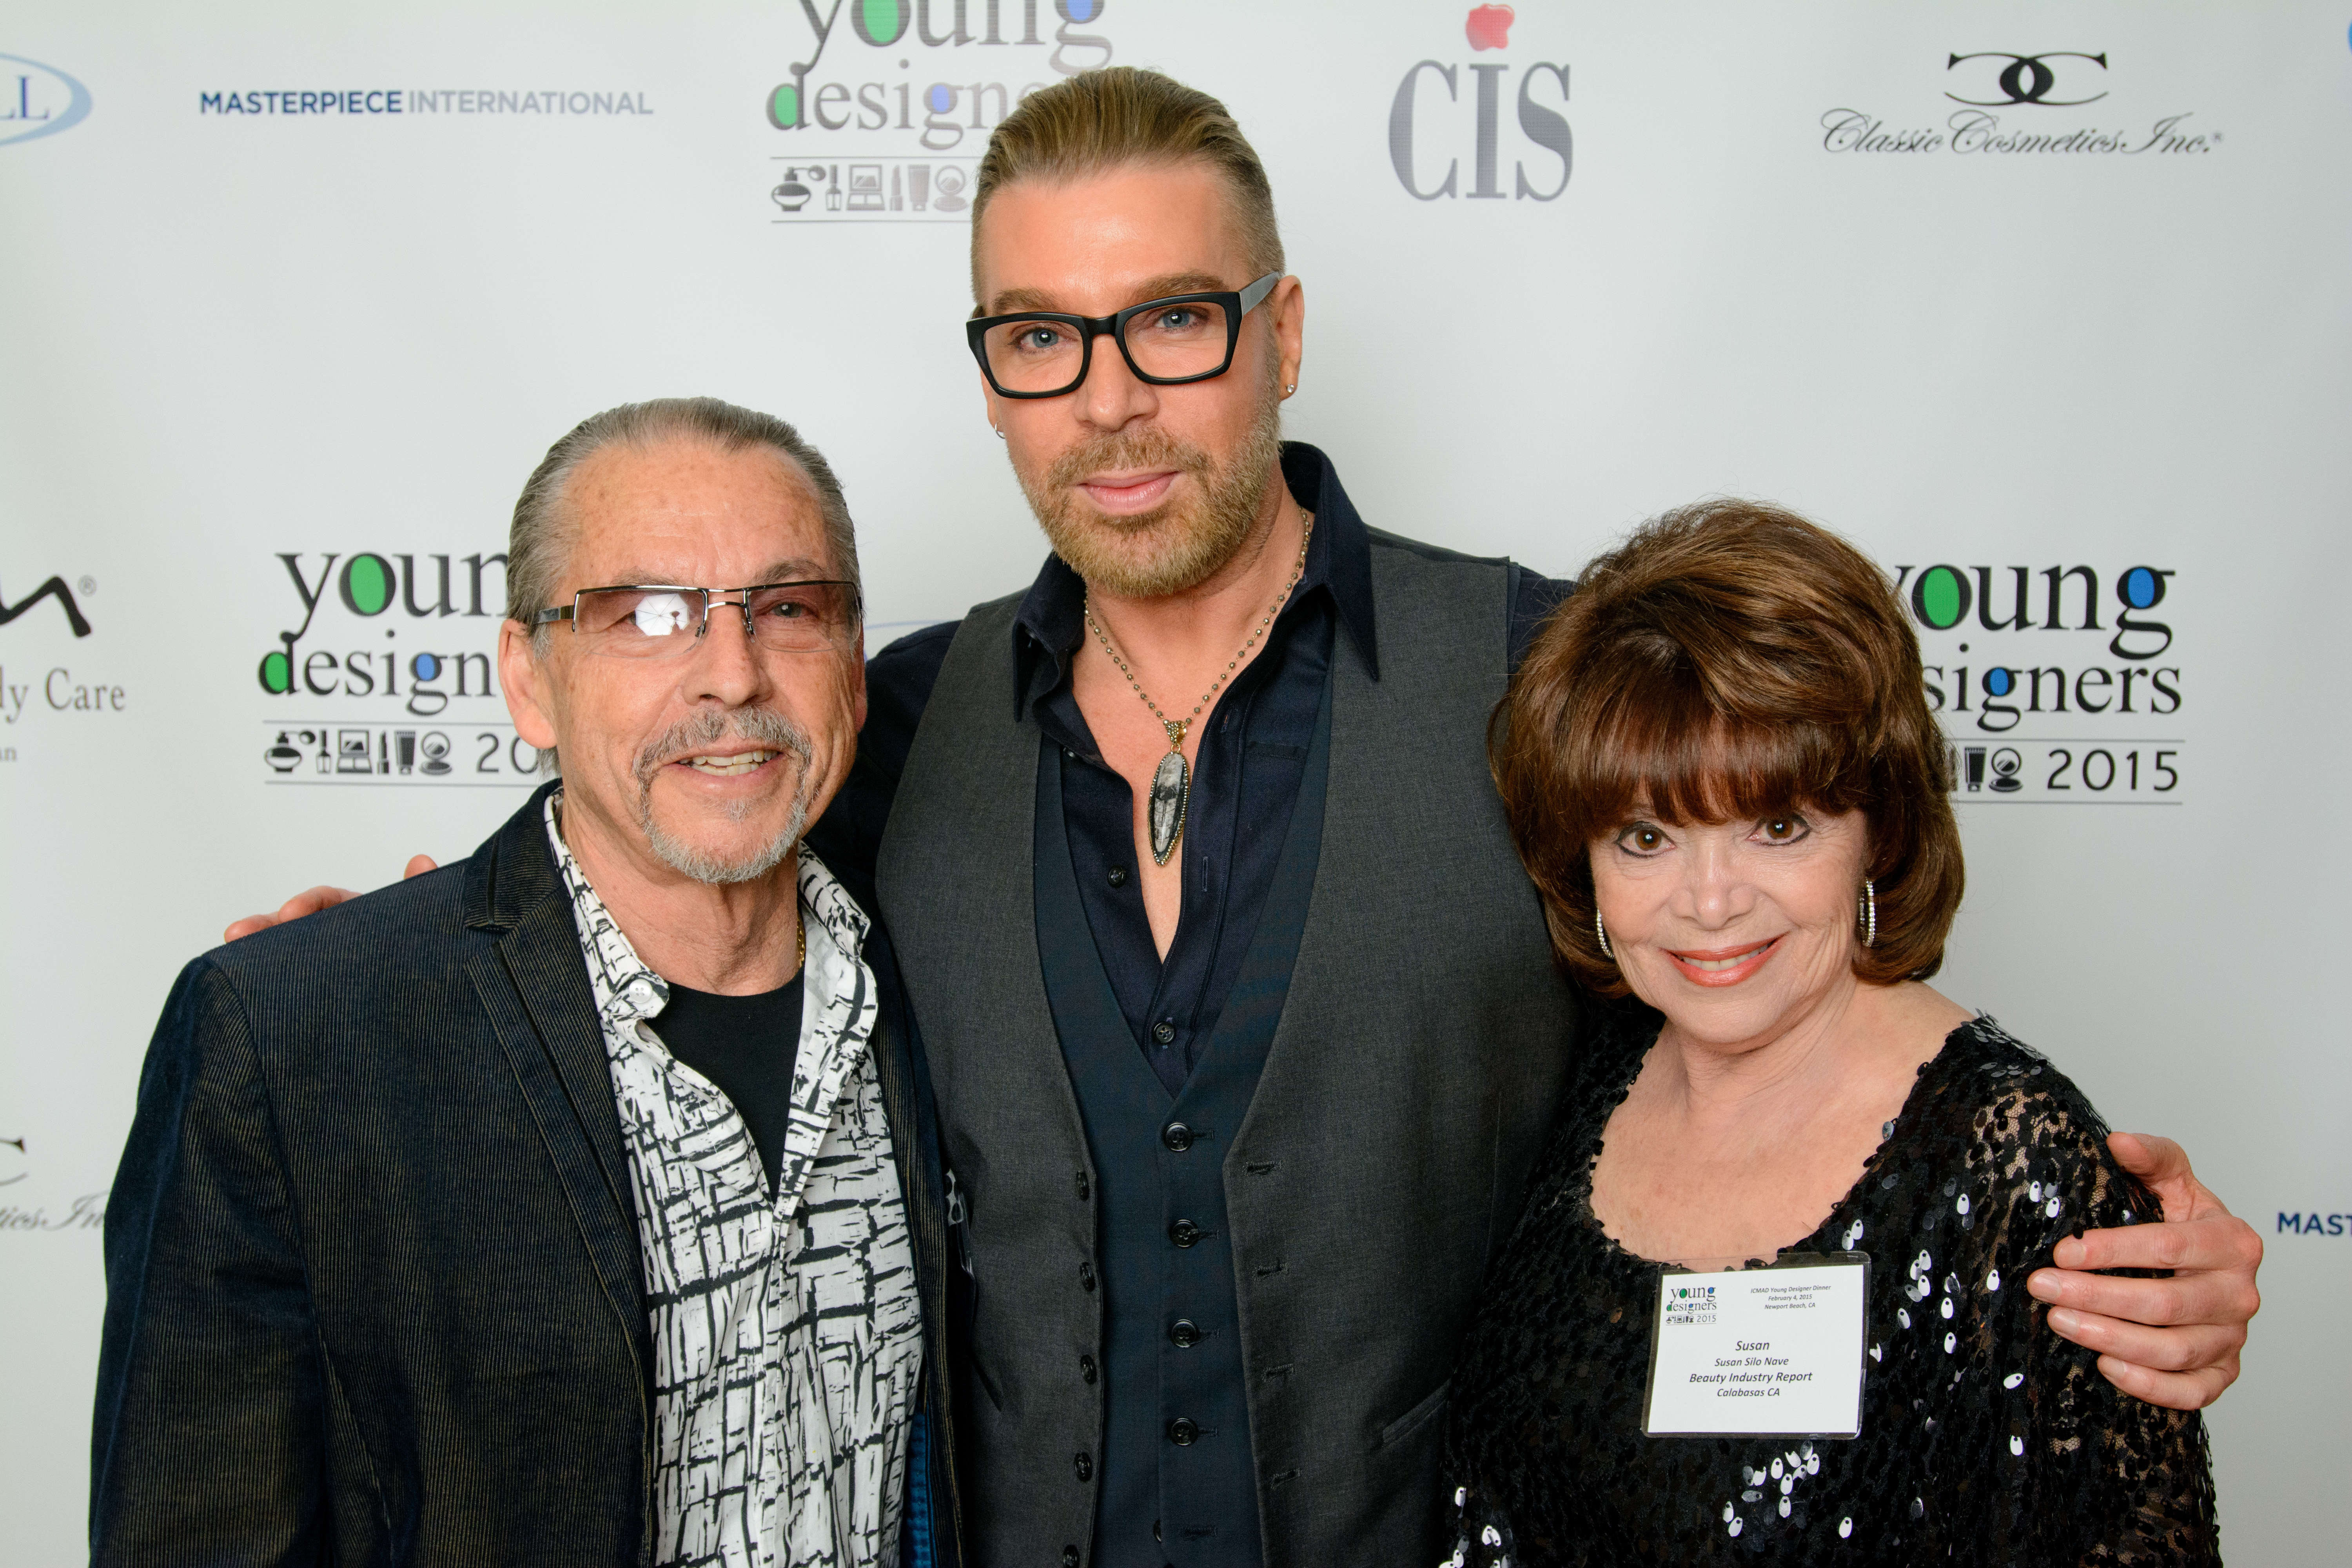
<point x="345" y="680"/>
<point x="2006" y="102"/>
<point x="888" y="121"/>
<point x="37" y="100"/>
<point x="2057" y="683"/>
<point x="1430" y="119"/>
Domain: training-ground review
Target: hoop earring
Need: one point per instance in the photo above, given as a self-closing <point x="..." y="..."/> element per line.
<point x="1867" y="915"/>
<point x="1602" y="932"/>
<point x="1000" y="431"/>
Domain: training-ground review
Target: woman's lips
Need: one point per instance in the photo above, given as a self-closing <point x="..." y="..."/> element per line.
<point x="1124" y="494"/>
<point x="1723" y="965"/>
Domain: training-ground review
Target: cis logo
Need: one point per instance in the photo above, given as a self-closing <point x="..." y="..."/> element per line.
<point x="1413" y="113"/>
<point x="2027" y="79"/>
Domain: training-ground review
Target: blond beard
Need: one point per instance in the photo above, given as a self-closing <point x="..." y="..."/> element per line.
<point x="1173" y="546"/>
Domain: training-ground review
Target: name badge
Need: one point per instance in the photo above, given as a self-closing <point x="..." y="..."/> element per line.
<point x="1759" y="1352"/>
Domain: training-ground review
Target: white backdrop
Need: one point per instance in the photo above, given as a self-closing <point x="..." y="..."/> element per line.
<point x="271" y="367"/>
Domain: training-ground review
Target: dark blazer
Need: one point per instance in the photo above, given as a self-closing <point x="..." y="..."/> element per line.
<point x="374" y="1287"/>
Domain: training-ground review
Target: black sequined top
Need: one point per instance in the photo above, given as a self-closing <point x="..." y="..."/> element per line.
<point x="1985" y="1437"/>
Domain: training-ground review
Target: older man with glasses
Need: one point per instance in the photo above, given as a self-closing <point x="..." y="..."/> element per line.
<point x="575" y="1204"/>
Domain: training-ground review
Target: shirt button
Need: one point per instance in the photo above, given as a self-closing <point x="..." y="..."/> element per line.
<point x="1087" y="1367"/>
<point x="1184" y="1232"/>
<point x="1183" y="1433"/>
<point x="1163" y="1031"/>
<point x="1118" y="876"/>
<point x="1087" y="1276"/>
<point x="1184" y="1333"/>
<point x="1177" y="1136"/>
<point x="1085" y="1465"/>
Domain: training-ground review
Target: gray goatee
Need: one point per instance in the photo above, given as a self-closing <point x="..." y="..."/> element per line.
<point x="762" y="728"/>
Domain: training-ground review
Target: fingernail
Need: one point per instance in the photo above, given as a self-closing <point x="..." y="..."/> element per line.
<point x="2041" y="1288"/>
<point x="2065" y="1319"/>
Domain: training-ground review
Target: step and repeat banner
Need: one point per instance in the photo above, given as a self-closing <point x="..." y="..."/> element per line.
<point x="2045" y="305"/>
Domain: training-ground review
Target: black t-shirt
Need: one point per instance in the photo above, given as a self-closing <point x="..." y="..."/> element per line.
<point x="747" y="1045"/>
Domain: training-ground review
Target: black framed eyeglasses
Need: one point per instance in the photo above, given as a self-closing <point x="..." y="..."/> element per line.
<point x="652" y="620"/>
<point x="1184" y="337"/>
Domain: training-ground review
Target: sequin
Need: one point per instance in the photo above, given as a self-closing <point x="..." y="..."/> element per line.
<point x="1562" y="1332"/>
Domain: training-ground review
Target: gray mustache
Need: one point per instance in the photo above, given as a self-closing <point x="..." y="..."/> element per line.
<point x="759" y="726"/>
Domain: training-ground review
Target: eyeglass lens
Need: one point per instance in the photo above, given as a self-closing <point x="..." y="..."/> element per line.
<point x="650" y="622"/>
<point x="1172" y="341"/>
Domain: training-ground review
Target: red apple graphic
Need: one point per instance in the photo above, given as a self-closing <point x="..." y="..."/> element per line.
<point x="1489" y="27"/>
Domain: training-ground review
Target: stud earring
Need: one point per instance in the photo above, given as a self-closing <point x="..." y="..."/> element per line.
<point x="1601" y="931"/>
<point x="1290" y="390"/>
<point x="1867" y="915"/>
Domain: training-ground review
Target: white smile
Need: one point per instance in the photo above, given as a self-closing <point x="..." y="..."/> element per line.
<point x="1713" y="964"/>
<point x="728" y="766"/>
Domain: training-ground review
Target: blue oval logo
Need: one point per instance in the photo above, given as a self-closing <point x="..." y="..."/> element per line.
<point x="37" y="100"/>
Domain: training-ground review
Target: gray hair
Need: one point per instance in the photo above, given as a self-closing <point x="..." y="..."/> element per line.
<point x="539" y="545"/>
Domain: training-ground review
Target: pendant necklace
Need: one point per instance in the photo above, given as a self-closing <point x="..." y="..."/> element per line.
<point x="1171" y="782"/>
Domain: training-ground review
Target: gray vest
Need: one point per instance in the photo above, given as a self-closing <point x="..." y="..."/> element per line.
<point x="1412" y="1075"/>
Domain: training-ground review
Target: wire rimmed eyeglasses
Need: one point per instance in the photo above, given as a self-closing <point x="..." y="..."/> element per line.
<point x="649" y="620"/>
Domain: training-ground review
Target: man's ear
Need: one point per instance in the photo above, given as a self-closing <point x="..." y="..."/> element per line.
<point x="858" y="686"/>
<point x="525" y="680"/>
<point x="1290" y="319"/>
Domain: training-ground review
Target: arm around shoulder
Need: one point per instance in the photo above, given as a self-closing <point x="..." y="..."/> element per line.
<point x="207" y="1443"/>
<point x="2110" y="1478"/>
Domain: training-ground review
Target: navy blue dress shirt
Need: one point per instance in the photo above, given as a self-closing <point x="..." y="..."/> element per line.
<point x="1246" y="777"/>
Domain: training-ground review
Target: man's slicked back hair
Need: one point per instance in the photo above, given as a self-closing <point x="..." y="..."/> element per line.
<point x="1100" y="120"/>
<point x="540" y="541"/>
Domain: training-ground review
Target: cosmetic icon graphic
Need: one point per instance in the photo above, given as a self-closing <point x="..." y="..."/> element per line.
<point x="2006" y="766"/>
<point x="435" y="745"/>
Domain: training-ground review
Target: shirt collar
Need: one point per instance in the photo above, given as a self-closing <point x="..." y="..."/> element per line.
<point x="630" y="991"/>
<point x="1051" y="621"/>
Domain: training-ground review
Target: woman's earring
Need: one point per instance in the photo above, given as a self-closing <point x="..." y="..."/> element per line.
<point x="1290" y="390"/>
<point x="1867" y="915"/>
<point x="1602" y="932"/>
<point x="1000" y="431"/>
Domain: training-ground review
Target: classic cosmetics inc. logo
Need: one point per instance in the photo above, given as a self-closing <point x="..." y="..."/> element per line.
<point x="37" y="100"/>
<point x="1434" y="114"/>
<point x="2004" y="101"/>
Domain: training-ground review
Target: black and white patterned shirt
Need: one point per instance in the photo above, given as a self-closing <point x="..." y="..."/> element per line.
<point x="787" y="1330"/>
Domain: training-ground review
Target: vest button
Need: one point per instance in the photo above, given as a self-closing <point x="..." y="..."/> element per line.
<point x="1163" y="1031"/>
<point x="1087" y="1367"/>
<point x="1177" y="1136"/>
<point x="1087" y="1276"/>
<point x="1184" y="1333"/>
<point x="1183" y="1433"/>
<point x="1184" y="1232"/>
<point x="1118" y="876"/>
<point x="1084" y="1466"/>
<point x="1070" y="1557"/>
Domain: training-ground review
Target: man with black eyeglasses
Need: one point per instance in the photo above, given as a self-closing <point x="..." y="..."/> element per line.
<point x="1240" y="1008"/>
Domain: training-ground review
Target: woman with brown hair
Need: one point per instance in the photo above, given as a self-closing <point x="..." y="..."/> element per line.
<point x="1720" y="768"/>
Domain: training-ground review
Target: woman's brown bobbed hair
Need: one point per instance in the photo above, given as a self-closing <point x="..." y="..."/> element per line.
<point x="1729" y="661"/>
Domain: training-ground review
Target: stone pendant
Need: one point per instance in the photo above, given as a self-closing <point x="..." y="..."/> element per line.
<point x="1172" y="785"/>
